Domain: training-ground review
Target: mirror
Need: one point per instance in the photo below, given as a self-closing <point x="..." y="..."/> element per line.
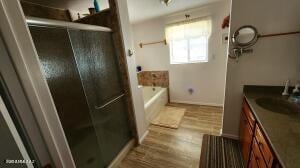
<point x="245" y="36"/>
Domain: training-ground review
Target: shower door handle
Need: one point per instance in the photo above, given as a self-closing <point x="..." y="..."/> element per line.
<point x="109" y="102"/>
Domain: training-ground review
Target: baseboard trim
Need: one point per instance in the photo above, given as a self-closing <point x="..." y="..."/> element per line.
<point x="231" y="136"/>
<point x="197" y="103"/>
<point x="115" y="163"/>
<point x="143" y="137"/>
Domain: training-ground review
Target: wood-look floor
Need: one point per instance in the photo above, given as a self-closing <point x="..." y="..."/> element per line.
<point x="176" y="148"/>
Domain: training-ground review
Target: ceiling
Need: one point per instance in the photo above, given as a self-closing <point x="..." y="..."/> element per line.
<point x="139" y="10"/>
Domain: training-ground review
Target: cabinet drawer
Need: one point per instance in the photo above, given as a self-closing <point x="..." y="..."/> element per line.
<point x="248" y="114"/>
<point x="264" y="146"/>
<point x="258" y="156"/>
<point x="246" y="136"/>
<point x="252" y="161"/>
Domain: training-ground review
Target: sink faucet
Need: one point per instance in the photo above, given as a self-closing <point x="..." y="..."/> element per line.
<point x="296" y="90"/>
<point x="295" y="96"/>
<point x="286" y="88"/>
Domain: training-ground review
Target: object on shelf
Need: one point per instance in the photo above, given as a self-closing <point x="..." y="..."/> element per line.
<point x="97" y="6"/>
<point x="92" y="11"/>
<point x="226" y="22"/>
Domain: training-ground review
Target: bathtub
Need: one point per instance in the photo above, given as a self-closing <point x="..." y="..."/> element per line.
<point x="155" y="98"/>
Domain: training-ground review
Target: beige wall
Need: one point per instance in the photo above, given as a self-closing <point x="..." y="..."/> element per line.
<point x="274" y="59"/>
<point x="207" y="79"/>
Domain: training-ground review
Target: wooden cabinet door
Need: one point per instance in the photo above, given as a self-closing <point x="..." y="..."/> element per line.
<point x="252" y="161"/>
<point x="259" y="158"/>
<point x="264" y="147"/>
<point x="245" y="137"/>
<point x="248" y="114"/>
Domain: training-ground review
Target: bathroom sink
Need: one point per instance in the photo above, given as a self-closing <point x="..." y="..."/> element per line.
<point x="278" y="105"/>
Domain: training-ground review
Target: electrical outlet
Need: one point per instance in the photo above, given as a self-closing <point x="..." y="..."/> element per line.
<point x="225" y="38"/>
<point x="191" y="90"/>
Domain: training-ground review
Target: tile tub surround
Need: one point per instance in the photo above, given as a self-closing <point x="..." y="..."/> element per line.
<point x="156" y="78"/>
<point x="281" y="130"/>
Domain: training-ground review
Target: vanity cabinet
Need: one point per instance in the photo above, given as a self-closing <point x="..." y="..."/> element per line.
<point x="264" y="147"/>
<point x="256" y="151"/>
<point x="252" y="161"/>
<point x="246" y="135"/>
<point x="258" y="156"/>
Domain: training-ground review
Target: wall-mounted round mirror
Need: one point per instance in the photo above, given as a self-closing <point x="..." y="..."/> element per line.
<point x="242" y="39"/>
<point x="245" y="36"/>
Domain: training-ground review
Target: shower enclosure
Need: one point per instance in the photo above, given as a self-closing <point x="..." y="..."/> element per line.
<point x="15" y="138"/>
<point x="82" y="71"/>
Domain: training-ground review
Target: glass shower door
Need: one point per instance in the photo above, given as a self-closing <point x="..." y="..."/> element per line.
<point x="98" y="67"/>
<point x="57" y="59"/>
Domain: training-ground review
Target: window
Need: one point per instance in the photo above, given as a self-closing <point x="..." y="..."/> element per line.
<point x="188" y="40"/>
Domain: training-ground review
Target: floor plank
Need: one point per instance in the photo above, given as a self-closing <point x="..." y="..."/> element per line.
<point x="176" y="148"/>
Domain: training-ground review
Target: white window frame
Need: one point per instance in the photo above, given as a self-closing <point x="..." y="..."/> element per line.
<point x="189" y="61"/>
<point x="187" y="30"/>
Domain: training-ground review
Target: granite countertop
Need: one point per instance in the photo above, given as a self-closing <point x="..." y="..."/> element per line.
<point x="281" y="130"/>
